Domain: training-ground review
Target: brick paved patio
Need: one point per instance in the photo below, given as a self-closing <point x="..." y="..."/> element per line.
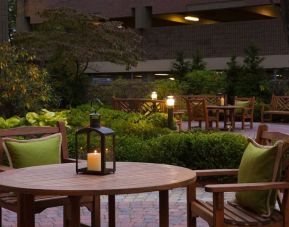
<point x="137" y="210"/>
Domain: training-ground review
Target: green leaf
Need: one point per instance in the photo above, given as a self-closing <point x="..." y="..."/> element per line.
<point x="32" y="117"/>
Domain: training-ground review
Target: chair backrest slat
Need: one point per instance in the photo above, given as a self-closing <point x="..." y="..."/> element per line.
<point x="265" y="137"/>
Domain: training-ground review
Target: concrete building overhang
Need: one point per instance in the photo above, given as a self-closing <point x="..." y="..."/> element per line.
<point x="165" y="65"/>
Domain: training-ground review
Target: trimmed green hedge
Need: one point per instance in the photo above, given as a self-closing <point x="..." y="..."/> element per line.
<point x="196" y="150"/>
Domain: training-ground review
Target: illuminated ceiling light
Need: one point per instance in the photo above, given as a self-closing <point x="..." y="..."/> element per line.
<point x="161" y="74"/>
<point x="190" y="18"/>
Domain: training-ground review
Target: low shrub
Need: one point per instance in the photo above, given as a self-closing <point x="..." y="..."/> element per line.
<point x="146" y="139"/>
<point x="196" y="150"/>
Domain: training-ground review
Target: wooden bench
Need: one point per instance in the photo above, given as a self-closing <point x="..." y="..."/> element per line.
<point x="279" y="106"/>
<point x="143" y="106"/>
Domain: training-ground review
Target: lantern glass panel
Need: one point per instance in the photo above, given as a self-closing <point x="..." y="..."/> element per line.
<point x="109" y="151"/>
<point x="96" y="146"/>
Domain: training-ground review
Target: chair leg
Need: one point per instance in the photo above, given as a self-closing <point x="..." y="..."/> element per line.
<point x="0" y="216"/>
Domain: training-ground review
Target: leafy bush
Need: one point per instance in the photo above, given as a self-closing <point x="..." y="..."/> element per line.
<point x="197" y="150"/>
<point x="23" y="85"/>
<point x="146" y="139"/>
<point x="204" y="82"/>
<point x="158" y="120"/>
<point x="166" y="87"/>
<point x="42" y="118"/>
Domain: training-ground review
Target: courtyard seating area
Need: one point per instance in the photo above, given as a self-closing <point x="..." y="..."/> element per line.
<point x="140" y="209"/>
<point x="144" y="113"/>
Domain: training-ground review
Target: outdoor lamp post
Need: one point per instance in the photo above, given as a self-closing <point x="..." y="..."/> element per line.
<point x="96" y="145"/>
<point x="221" y="99"/>
<point x="170" y="106"/>
<point x="154" y="95"/>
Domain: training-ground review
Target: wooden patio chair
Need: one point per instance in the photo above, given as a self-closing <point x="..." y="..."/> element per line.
<point x="197" y="111"/>
<point x="9" y="200"/>
<point x="246" y="112"/>
<point x="224" y="214"/>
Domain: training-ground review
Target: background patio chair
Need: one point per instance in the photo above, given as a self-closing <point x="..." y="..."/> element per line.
<point x="9" y="200"/>
<point x="197" y="111"/>
<point x="246" y="112"/>
<point x="221" y="214"/>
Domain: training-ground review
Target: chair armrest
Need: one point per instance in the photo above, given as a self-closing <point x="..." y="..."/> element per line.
<point x="4" y="168"/>
<point x="246" y="187"/>
<point x="216" y="172"/>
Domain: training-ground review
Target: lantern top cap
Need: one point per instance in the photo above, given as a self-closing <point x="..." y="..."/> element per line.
<point x="94" y="114"/>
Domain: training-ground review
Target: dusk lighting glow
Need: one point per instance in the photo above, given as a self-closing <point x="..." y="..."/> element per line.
<point x="190" y="18"/>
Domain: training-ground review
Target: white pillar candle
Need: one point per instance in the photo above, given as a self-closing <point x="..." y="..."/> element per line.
<point x="94" y="161"/>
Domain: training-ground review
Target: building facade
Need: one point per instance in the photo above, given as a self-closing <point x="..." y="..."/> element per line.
<point x="3" y="20"/>
<point x="218" y="29"/>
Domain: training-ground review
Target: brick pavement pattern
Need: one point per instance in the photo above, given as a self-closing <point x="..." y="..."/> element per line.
<point x="138" y="210"/>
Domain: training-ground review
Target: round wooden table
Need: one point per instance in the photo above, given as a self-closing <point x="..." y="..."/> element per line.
<point x="61" y="179"/>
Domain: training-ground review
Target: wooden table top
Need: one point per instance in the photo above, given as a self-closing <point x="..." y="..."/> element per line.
<point x="61" y="179"/>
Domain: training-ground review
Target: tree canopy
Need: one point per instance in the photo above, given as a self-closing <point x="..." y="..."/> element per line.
<point x="23" y="85"/>
<point x="82" y="37"/>
<point x="68" y="40"/>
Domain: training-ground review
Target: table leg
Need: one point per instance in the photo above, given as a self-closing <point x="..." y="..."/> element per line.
<point x="25" y="214"/>
<point x="111" y="210"/>
<point x="96" y="215"/>
<point x="233" y="119"/>
<point x="74" y="211"/>
<point x="225" y="119"/>
<point x="191" y="195"/>
<point x="164" y="208"/>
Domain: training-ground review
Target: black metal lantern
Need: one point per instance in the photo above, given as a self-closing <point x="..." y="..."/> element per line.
<point x="96" y="145"/>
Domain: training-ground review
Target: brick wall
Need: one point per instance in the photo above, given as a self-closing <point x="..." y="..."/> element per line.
<point x="3" y="20"/>
<point x="218" y="40"/>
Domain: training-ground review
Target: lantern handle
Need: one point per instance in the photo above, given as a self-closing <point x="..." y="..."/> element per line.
<point x="96" y="103"/>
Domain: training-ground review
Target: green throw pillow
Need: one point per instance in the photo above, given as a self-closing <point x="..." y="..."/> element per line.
<point x="259" y="164"/>
<point x="34" y="152"/>
<point x="241" y="104"/>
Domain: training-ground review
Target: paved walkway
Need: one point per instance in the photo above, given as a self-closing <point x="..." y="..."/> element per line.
<point x="138" y="210"/>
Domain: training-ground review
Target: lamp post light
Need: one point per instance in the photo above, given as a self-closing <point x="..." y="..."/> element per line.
<point x="154" y="95"/>
<point x="170" y="106"/>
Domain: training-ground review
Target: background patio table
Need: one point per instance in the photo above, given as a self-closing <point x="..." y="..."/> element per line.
<point x="229" y="114"/>
<point x="61" y="179"/>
